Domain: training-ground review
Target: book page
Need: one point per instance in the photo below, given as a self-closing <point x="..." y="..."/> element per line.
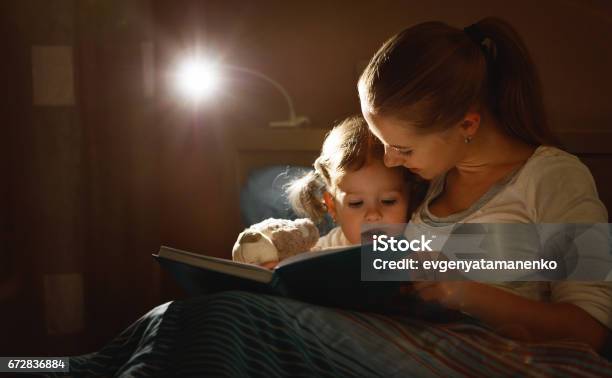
<point x="250" y="271"/>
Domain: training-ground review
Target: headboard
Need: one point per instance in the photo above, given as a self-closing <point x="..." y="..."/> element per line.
<point x="259" y="147"/>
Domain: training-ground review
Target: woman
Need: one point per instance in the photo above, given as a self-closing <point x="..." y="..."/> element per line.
<point x="466" y="112"/>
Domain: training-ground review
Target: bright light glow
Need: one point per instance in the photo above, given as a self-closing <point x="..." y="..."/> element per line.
<point x="197" y="79"/>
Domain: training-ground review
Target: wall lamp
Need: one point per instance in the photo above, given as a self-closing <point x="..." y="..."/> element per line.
<point x="198" y="79"/>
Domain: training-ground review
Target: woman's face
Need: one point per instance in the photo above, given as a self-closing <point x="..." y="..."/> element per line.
<point x="425" y="154"/>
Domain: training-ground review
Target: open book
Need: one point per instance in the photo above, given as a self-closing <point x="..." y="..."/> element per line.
<point x="330" y="277"/>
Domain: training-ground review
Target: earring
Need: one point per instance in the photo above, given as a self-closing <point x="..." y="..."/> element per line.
<point x="467" y="139"/>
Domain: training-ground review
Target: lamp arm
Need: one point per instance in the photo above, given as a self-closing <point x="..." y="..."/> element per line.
<point x="275" y="83"/>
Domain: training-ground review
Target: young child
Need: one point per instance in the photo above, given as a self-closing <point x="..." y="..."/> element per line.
<point x="351" y="183"/>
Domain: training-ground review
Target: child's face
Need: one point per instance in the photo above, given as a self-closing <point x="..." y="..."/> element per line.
<point x="372" y="194"/>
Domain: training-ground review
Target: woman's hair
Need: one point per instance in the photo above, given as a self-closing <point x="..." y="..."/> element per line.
<point x="432" y="73"/>
<point x="347" y="147"/>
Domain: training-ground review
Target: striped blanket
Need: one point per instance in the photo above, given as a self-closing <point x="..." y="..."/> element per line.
<point x="241" y="334"/>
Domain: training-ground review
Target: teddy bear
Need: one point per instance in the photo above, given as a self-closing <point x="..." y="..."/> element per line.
<point x="275" y="240"/>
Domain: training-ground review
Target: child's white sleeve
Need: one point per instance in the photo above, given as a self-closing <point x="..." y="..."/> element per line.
<point x="334" y="238"/>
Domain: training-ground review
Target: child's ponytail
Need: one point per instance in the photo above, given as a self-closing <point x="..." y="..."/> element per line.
<point x="305" y="196"/>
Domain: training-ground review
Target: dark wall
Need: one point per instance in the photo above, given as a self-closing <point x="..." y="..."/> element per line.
<point x="82" y="194"/>
<point x="308" y="43"/>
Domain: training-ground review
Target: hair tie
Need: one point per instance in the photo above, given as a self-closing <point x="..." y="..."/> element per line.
<point x="489" y="49"/>
<point x="486" y="44"/>
<point x="477" y="36"/>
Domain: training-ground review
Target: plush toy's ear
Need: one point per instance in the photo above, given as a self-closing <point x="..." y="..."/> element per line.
<point x="253" y="247"/>
<point x="249" y="237"/>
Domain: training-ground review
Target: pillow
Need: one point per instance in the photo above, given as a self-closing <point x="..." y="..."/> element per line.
<point x="263" y="196"/>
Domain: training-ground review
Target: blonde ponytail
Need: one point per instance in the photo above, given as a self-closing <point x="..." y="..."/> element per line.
<point x="305" y="196"/>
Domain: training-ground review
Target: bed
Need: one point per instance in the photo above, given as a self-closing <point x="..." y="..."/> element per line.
<point x="226" y="335"/>
<point x="243" y="334"/>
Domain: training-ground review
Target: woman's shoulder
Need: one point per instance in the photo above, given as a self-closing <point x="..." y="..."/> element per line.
<point x="559" y="187"/>
<point x="548" y="157"/>
<point x="551" y="163"/>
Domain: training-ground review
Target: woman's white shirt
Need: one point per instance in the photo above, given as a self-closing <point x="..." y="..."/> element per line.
<point x="553" y="186"/>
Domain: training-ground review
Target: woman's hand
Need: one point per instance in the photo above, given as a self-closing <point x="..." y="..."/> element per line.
<point x="455" y="295"/>
<point x="512" y="315"/>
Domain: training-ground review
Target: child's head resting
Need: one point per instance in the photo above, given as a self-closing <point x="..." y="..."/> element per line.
<point x="351" y="182"/>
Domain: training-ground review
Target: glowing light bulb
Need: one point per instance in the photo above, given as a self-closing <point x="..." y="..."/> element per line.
<point x="197" y="79"/>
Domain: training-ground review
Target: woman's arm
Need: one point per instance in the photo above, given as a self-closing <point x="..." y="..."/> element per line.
<point x="514" y="316"/>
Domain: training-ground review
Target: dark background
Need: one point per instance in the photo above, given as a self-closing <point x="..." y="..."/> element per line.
<point x="89" y="188"/>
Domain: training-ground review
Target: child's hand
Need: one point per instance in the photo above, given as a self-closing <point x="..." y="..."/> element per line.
<point x="452" y="294"/>
<point x="269" y="264"/>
